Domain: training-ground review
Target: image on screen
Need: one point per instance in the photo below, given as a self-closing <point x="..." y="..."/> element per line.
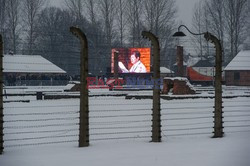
<point x="131" y="60"/>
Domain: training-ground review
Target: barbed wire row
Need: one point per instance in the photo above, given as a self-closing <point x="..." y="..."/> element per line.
<point x="42" y="113"/>
<point x="189" y="129"/>
<point x="41" y="126"/>
<point x="39" y="138"/>
<point x="41" y="120"/>
<point x="42" y="131"/>
<point x="40" y="143"/>
<point x="111" y="104"/>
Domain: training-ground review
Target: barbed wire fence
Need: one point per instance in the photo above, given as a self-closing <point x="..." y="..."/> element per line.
<point x="117" y="118"/>
<point x="111" y="117"/>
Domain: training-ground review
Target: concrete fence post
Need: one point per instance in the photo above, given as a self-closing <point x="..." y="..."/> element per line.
<point x="84" y="99"/>
<point x="218" y="113"/>
<point x="156" y="121"/>
<point x="1" y="95"/>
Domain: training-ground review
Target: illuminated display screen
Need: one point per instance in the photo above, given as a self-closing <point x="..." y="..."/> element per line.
<point x="131" y="60"/>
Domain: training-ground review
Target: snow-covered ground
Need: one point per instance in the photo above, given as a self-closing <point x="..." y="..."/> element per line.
<point x="45" y="132"/>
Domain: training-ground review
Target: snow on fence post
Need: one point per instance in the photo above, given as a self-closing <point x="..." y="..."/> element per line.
<point x="84" y="100"/>
<point x="1" y="95"/>
<point x="218" y="113"/>
<point x="156" y="121"/>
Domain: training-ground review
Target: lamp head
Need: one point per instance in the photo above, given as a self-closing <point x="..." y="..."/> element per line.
<point x="179" y="34"/>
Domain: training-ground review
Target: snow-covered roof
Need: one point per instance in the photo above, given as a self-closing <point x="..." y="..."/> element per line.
<point x="240" y="62"/>
<point x="165" y="70"/>
<point x="29" y="64"/>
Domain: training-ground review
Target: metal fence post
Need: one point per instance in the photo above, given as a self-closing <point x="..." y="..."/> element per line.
<point x="218" y="113"/>
<point x="1" y="95"/>
<point x="84" y="100"/>
<point x="156" y="122"/>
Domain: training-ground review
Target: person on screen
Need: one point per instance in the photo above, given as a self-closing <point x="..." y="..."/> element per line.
<point x="138" y="66"/>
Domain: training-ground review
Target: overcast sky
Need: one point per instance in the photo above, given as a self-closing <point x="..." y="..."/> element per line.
<point x="185" y="11"/>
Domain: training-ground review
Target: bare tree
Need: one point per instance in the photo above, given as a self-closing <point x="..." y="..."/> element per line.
<point x="159" y="14"/>
<point x="2" y="16"/>
<point x="121" y="19"/>
<point x="108" y="12"/>
<point x="160" y="19"/>
<point x="134" y="17"/>
<point x="14" y="24"/>
<point x="31" y="10"/>
<point x="247" y="41"/>
<point x="91" y="11"/>
<point x="236" y="15"/>
<point x="200" y="24"/>
<point x="215" y="19"/>
<point x="76" y="7"/>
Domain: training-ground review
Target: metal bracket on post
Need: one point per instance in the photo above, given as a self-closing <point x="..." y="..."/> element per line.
<point x="218" y="113"/>
<point x="156" y="121"/>
<point x="1" y="95"/>
<point x="84" y="100"/>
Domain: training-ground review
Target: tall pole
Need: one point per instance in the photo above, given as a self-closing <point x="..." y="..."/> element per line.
<point x="1" y="95"/>
<point x="84" y="100"/>
<point x="218" y="118"/>
<point x="156" y="121"/>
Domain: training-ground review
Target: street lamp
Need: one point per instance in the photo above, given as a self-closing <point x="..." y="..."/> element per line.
<point x="218" y="123"/>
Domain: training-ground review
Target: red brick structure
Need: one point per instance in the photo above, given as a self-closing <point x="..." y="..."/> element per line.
<point x="237" y="72"/>
<point x="168" y="84"/>
<point x="180" y="86"/>
<point x="179" y="59"/>
<point x="238" y="78"/>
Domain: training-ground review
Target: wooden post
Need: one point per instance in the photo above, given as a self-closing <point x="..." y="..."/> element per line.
<point x="1" y="95"/>
<point x="156" y="122"/>
<point x="218" y="113"/>
<point x="84" y="100"/>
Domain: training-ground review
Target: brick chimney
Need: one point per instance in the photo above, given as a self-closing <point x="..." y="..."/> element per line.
<point x="179" y="59"/>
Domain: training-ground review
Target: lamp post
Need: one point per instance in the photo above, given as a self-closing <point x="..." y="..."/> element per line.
<point x="218" y="122"/>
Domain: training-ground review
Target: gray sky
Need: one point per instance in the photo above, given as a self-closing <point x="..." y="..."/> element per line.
<point x="185" y="11"/>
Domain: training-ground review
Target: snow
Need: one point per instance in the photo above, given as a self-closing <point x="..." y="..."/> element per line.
<point x="231" y="150"/>
<point x="120" y="130"/>
<point x="29" y="64"/>
<point x="240" y="62"/>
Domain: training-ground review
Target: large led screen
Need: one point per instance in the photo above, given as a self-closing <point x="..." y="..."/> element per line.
<point x="131" y="60"/>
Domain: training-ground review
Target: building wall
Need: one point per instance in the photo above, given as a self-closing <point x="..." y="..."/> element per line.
<point x="238" y="78"/>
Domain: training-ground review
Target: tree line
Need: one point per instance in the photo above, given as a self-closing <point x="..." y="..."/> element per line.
<point x="226" y="19"/>
<point x="36" y="27"/>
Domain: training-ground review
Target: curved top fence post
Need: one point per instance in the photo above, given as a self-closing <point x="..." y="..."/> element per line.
<point x="1" y="95"/>
<point x="84" y="100"/>
<point x="156" y="122"/>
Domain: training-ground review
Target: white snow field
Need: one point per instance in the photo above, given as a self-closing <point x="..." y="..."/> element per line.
<point x="45" y="132"/>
